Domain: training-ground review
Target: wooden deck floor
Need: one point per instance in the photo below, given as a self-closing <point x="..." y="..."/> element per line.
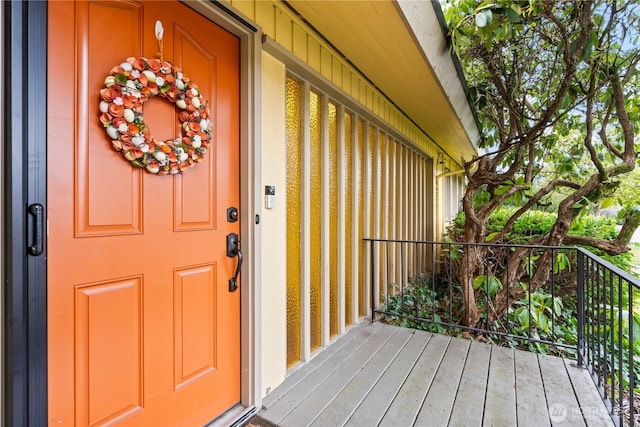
<point x="380" y="375"/>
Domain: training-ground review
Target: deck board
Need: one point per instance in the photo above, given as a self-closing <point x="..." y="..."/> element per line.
<point x="531" y="402"/>
<point x="407" y="403"/>
<point x="436" y="408"/>
<point x="375" y="404"/>
<point x="593" y="410"/>
<point x="301" y="383"/>
<point x="349" y="398"/>
<point x="307" y="410"/>
<point x="381" y="375"/>
<point x="468" y="406"/>
<point x="561" y="399"/>
<point x="500" y="403"/>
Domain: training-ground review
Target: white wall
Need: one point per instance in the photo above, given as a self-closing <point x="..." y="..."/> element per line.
<point x="274" y="226"/>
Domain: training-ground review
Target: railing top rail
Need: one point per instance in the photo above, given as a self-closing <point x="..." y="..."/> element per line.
<point x="500" y="245"/>
<point x="634" y="281"/>
<point x="624" y="275"/>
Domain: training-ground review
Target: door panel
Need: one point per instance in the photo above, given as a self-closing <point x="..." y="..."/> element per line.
<point x="194" y="306"/>
<point x="99" y="215"/>
<point x="102" y="355"/>
<point x="142" y="327"/>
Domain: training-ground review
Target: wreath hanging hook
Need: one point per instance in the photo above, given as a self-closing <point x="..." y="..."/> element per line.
<point x="159" y="35"/>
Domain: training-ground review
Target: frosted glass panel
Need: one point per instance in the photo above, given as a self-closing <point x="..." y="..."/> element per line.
<point x="384" y="213"/>
<point x="333" y="219"/>
<point x="399" y="210"/>
<point x="294" y="217"/>
<point x="315" y="225"/>
<point x="373" y="165"/>
<point x="362" y="182"/>
<point x="392" y="208"/>
<point x="348" y="220"/>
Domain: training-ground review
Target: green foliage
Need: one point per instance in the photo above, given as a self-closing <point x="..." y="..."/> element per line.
<point x="488" y="284"/>
<point x="536" y="310"/>
<point x="544" y="317"/>
<point x="556" y="89"/>
<point x="425" y="305"/>
<point x="536" y="223"/>
<point x="409" y="306"/>
<point x="615" y="338"/>
<point x="627" y="195"/>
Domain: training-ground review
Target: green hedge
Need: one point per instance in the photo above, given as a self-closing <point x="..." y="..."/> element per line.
<point x="538" y="223"/>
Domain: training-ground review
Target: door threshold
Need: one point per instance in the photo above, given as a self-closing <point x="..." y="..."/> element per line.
<point x="236" y="416"/>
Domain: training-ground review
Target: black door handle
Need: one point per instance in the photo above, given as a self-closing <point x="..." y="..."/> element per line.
<point x="233" y="282"/>
<point x="233" y="250"/>
<point x="37" y="211"/>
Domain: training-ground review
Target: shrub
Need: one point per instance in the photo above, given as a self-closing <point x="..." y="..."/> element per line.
<point x="537" y="223"/>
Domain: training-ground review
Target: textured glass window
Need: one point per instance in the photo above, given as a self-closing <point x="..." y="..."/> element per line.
<point x="422" y="267"/>
<point x="411" y="205"/>
<point x="348" y="220"/>
<point x="333" y="219"/>
<point x="390" y="250"/>
<point x="315" y="224"/>
<point x="377" y="173"/>
<point x="374" y="174"/>
<point x="384" y="213"/>
<point x="446" y="197"/>
<point x="400" y="211"/>
<point x="294" y="192"/>
<point x="362" y="175"/>
<point x="373" y="193"/>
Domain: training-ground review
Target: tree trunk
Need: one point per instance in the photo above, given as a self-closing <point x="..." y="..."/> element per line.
<point x="471" y="261"/>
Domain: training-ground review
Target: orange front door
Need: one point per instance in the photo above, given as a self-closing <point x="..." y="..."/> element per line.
<point x="143" y="330"/>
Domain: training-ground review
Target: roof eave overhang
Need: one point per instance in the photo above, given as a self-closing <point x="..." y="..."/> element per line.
<point x="401" y="47"/>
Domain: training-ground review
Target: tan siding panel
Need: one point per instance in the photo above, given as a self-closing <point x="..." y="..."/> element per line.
<point x="325" y="62"/>
<point x="283" y="32"/>
<point x="300" y="46"/>
<point x="313" y="54"/>
<point x="266" y="16"/>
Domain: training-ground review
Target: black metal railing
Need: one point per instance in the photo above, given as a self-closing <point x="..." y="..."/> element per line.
<point x="609" y="341"/>
<point x="583" y="309"/>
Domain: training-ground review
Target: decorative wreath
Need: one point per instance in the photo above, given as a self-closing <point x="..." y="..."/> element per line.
<point x="126" y="88"/>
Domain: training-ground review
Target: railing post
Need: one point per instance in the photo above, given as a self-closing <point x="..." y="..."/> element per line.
<point x="630" y="368"/>
<point x="581" y="308"/>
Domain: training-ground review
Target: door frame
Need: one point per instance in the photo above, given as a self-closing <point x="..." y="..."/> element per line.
<point x="24" y="168"/>
<point x="24" y="146"/>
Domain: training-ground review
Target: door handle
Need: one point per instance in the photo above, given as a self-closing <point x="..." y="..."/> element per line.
<point x="37" y="211"/>
<point x="233" y="250"/>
